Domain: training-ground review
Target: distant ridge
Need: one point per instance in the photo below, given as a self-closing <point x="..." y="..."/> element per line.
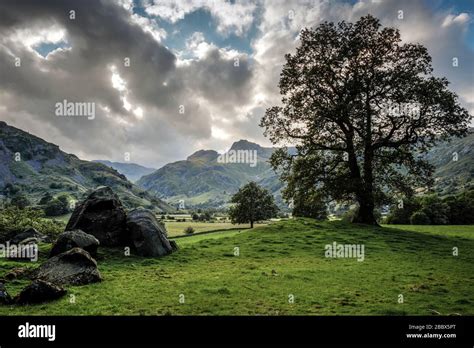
<point x="132" y="171"/>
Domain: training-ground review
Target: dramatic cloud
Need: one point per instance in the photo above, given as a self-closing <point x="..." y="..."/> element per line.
<point x="159" y="103"/>
<point x="234" y="17"/>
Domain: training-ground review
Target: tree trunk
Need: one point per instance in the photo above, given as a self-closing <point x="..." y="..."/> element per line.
<point x="365" y="215"/>
<point x="365" y="195"/>
<point x="251" y="224"/>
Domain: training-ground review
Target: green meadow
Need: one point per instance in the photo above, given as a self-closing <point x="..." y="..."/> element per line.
<point x="280" y="269"/>
<point x="176" y="228"/>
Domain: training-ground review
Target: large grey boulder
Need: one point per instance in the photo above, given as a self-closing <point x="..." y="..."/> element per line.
<point x="75" y="239"/>
<point x="148" y="236"/>
<point x="75" y="267"/>
<point x="27" y="235"/>
<point x="102" y="215"/>
<point x="38" y="292"/>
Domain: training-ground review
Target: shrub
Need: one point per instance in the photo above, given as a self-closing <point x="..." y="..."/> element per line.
<point x="461" y="208"/>
<point x="57" y="206"/>
<point x="420" y="218"/>
<point x="55" y="185"/>
<point x="14" y="220"/>
<point x="11" y="189"/>
<point x="46" y="198"/>
<point x="189" y="230"/>
<point x="436" y="210"/>
<point x="20" y="201"/>
<point x="402" y="215"/>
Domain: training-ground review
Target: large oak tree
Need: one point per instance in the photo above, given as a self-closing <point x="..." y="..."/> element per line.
<point x="361" y="108"/>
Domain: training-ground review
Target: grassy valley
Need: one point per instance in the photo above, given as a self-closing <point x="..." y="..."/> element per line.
<point x="275" y="261"/>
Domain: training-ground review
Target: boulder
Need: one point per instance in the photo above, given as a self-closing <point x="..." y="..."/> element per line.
<point x="174" y="245"/>
<point x="75" y="267"/>
<point x="18" y="273"/>
<point x="30" y="240"/>
<point x="102" y="215"/>
<point x="147" y="235"/>
<point x="72" y="239"/>
<point x="4" y="296"/>
<point x="27" y="234"/>
<point x="38" y="292"/>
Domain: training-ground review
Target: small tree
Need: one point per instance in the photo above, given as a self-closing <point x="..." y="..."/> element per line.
<point x="252" y="203"/>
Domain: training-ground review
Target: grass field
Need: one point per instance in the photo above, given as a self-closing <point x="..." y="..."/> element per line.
<point x="276" y="261"/>
<point x="175" y="228"/>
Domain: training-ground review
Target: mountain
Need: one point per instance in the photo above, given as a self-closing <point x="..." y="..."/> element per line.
<point x="132" y="171"/>
<point x="206" y="179"/>
<point x="203" y="181"/>
<point x="454" y="163"/>
<point x="32" y="166"/>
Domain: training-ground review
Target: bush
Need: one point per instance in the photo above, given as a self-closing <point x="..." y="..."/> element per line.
<point x="461" y="208"/>
<point x="20" y="201"/>
<point x="453" y="210"/>
<point x="436" y="210"/>
<point x="55" y="186"/>
<point x="189" y="230"/>
<point x="11" y="189"/>
<point x="14" y="220"/>
<point x="46" y="198"/>
<point x="401" y="216"/>
<point x="57" y="206"/>
<point x="420" y="218"/>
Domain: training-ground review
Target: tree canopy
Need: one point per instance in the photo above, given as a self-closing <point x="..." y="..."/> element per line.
<point x="252" y="203"/>
<point x="361" y="108"/>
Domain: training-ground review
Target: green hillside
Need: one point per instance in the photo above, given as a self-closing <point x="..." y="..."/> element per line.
<point x="454" y="162"/>
<point x="282" y="259"/>
<point x="201" y="181"/>
<point x="32" y="166"/>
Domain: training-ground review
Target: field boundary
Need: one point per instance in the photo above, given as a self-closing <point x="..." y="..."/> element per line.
<point x="208" y="232"/>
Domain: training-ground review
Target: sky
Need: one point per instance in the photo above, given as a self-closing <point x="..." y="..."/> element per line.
<point x="168" y="78"/>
